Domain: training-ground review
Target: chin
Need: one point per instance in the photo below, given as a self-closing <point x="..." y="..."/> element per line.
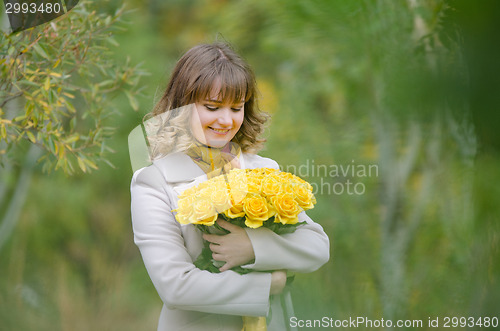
<point x="217" y="143"/>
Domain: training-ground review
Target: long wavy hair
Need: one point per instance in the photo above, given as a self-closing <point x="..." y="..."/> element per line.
<point x="193" y="79"/>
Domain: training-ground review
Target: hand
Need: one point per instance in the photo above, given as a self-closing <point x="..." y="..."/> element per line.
<point x="278" y="281"/>
<point x="234" y="248"/>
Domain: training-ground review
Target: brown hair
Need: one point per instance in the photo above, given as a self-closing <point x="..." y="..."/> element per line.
<point x="193" y="79"/>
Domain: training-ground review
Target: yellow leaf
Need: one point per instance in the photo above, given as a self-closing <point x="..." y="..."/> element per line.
<point x="69" y="95"/>
<point x="31" y="136"/>
<point x="62" y="152"/>
<point x="133" y="101"/>
<point x="46" y="86"/>
<point x="57" y="63"/>
<point x="81" y="164"/>
<point x="55" y="74"/>
<point x="72" y="139"/>
<point x="90" y="164"/>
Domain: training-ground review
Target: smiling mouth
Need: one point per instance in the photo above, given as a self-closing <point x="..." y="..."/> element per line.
<point x="219" y="131"/>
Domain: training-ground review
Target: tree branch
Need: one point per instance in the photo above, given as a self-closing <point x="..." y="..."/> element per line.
<point x="17" y="95"/>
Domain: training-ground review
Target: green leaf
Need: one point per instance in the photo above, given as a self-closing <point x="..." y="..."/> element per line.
<point x="3" y="132"/>
<point x="40" y="51"/>
<point x="132" y="100"/>
<point x="69" y="106"/>
<point x="19" y="118"/>
<point x="81" y="164"/>
<point x="109" y="163"/>
<point x="112" y="41"/>
<point x="204" y="261"/>
<point x="91" y="164"/>
<point x="106" y="83"/>
<point x="31" y="136"/>
<point x="72" y="139"/>
<point x="286" y="228"/>
<point x="30" y="83"/>
<point x="51" y="145"/>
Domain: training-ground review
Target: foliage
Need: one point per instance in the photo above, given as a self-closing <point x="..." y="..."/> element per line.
<point x="62" y="78"/>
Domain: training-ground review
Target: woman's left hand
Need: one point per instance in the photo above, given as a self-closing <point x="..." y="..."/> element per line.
<point x="234" y="248"/>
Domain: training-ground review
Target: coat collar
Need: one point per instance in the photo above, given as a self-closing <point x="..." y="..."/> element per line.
<point x="179" y="167"/>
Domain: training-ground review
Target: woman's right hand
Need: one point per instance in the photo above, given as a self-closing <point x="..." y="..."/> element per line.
<point x="278" y="281"/>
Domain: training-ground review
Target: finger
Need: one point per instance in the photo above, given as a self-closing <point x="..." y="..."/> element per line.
<point x="225" y="267"/>
<point x="215" y="248"/>
<point x="213" y="238"/>
<point x="227" y="225"/>
<point x="218" y="257"/>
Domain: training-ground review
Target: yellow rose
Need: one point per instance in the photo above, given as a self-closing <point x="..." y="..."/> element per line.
<point x="287" y="209"/>
<point x="183" y="217"/>
<point x="203" y="212"/>
<point x="287" y="187"/>
<point x="236" y="208"/>
<point x="257" y="210"/>
<point x="301" y="181"/>
<point x="184" y="208"/>
<point x="185" y="202"/>
<point x="203" y="192"/>
<point x="286" y="176"/>
<point x="254" y="184"/>
<point x="304" y="196"/>
<point x="268" y="171"/>
<point x="220" y="198"/>
<point x="263" y="171"/>
<point x="202" y="185"/>
<point x="271" y="186"/>
<point x="189" y="192"/>
<point x="254" y="172"/>
<point x="235" y="174"/>
<point x="238" y="184"/>
<point x="237" y="196"/>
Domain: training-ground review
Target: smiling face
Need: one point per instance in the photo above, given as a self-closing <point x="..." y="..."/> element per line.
<point x="214" y="122"/>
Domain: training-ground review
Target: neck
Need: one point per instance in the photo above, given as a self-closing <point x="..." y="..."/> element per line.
<point x="197" y="143"/>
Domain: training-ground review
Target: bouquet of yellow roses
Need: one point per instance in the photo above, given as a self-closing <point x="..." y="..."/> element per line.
<point x="252" y="198"/>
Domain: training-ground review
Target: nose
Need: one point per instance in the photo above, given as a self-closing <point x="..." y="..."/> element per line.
<point x="225" y="117"/>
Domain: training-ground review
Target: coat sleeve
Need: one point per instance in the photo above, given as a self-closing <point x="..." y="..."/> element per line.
<point x="178" y="282"/>
<point x="304" y="250"/>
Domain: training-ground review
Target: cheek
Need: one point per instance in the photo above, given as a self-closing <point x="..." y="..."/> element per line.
<point x="204" y="118"/>
<point x="201" y="118"/>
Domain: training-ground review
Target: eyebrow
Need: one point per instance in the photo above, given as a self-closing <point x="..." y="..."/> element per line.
<point x="220" y="102"/>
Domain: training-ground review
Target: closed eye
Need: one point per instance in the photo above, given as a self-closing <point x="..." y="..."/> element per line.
<point x="236" y="109"/>
<point x="212" y="108"/>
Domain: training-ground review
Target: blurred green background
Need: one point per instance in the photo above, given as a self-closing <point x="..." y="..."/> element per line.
<point x="407" y="87"/>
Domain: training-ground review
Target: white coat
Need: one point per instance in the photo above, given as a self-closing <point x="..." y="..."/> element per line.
<point x="195" y="299"/>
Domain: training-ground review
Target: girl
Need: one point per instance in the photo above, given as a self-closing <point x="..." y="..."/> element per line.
<point x="206" y="123"/>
